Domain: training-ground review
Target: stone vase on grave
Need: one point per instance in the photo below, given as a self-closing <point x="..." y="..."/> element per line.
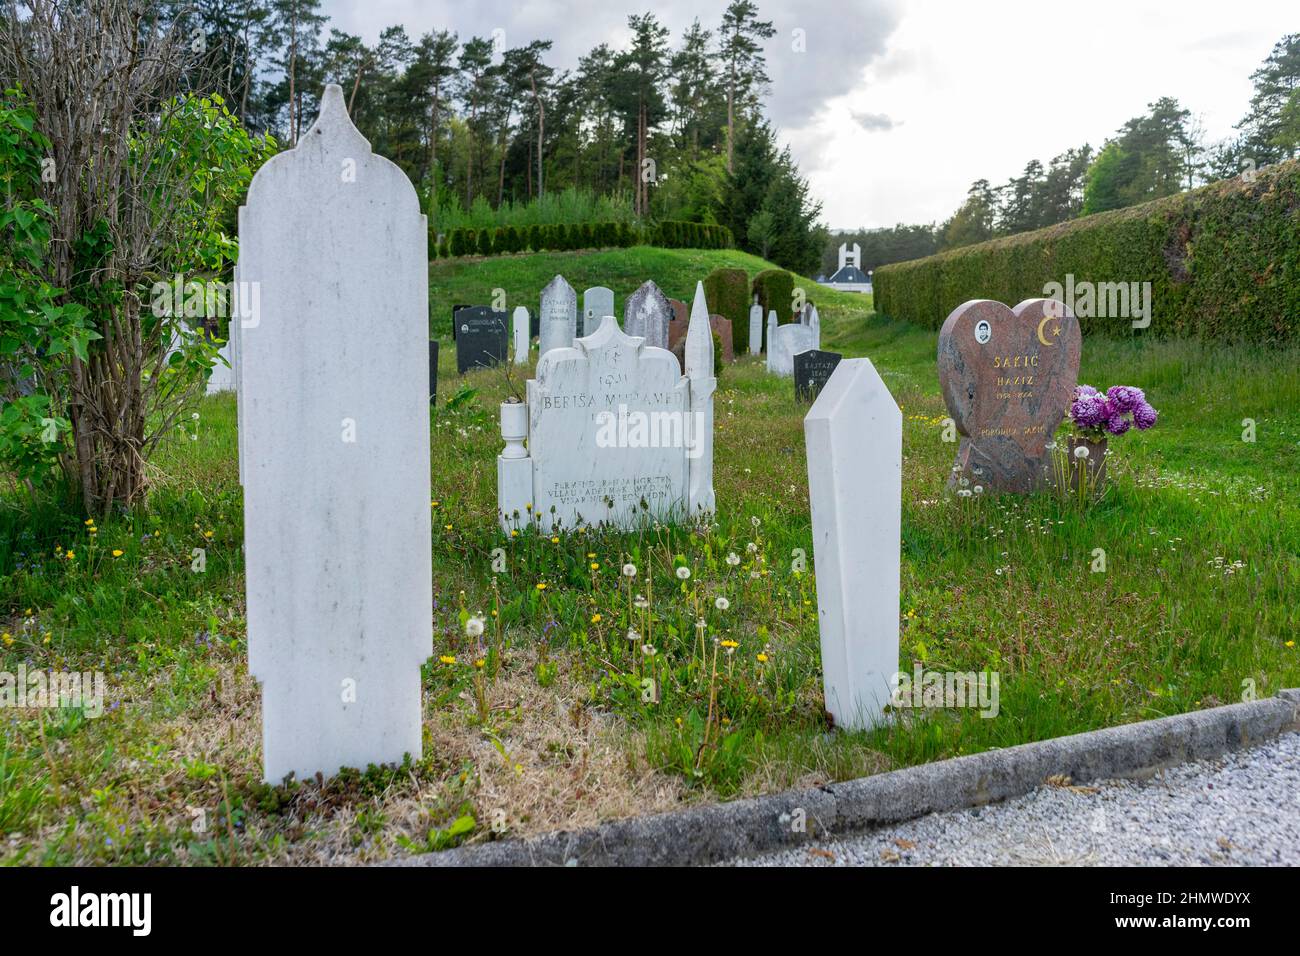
<point x="514" y="428"/>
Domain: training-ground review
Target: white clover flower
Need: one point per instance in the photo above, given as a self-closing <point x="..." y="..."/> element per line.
<point x="733" y="559"/>
<point x="474" y="627"/>
<point x="722" y="604"/>
<point x="1081" y="451"/>
<point x="683" y="574"/>
<point x="629" y="570"/>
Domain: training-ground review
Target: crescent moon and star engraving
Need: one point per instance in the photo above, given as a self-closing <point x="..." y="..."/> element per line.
<point x="1055" y="332"/>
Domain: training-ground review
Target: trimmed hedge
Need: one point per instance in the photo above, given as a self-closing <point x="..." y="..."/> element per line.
<point x="1223" y="262"/>
<point x="775" y="291"/>
<point x="563" y="237"/>
<point x="673" y="234"/>
<point x="727" y="292"/>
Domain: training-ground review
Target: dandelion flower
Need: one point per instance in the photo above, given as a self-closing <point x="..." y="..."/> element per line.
<point x="70" y="555"/>
<point x="632" y="635"/>
<point x="755" y="521"/>
<point x="683" y="573"/>
<point x="595" y="619"/>
<point x="733" y="559"/>
<point x="752" y="548"/>
<point x="479" y="663"/>
<point x="595" y="566"/>
<point x="541" y="585"/>
<point x="649" y="650"/>
<point x="447" y="659"/>
<point x="555" y="539"/>
<point x="1081" y="451"/>
<point x="474" y="627"/>
<point x="117" y="552"/>
<point x="722" y="604"/>
<point x="629" y="570"/>
<point x="762" y="658"/>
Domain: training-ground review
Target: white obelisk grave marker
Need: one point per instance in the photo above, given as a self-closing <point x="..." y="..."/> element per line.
<point x="755" y="328"/>
<point x="854" y="438"/>
<point x="334" y="429"/>
<point x="699" y="369"/>
<point x="616" y="434"/>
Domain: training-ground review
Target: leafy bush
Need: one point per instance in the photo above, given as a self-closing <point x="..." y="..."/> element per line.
<point x="485" y="242"/>
<point x="727" y="292"/>
<point x="1222" y="260"/>
<point x="775" y="291"/>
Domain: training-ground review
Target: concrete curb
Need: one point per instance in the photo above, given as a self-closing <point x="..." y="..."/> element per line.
<point x="765" y="824"/>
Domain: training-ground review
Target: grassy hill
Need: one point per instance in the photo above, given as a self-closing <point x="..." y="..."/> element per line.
<point x="470" y="280"/>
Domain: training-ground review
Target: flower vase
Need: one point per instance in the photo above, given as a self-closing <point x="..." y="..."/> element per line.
<point x="1088" y="466"/>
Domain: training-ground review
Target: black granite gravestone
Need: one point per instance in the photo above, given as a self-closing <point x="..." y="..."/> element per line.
<point x="454" y="310"/>
<point x="481" y="337"/>
<point x="812" y="370"/>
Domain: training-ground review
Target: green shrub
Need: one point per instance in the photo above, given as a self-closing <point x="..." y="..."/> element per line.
<point x="444" y="250"/>
<point x="775" y="291"/>
<point x="485" y="242"/>
<point x="535" y="238"/>
<point x="1223" y="262"/>
<point x="727" y="292"/>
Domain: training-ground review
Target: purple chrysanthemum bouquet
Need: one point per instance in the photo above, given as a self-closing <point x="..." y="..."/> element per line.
<point x="1114" y="412"/>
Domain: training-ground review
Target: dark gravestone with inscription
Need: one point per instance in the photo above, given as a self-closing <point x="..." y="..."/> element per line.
<point x="481" y="338"/>
<point x="812" y="370"/>
<point x="1007" y="377"/>
<point x="454" y="310"/>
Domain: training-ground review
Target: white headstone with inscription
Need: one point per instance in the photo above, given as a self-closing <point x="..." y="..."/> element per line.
<point x="854" y="439"/>
<point x="755" y="328"/>
<point x="559" y="316"/>
<point x="334" y="452"/>
<point x="647" y="313"/>
<point x="616" y="434"/>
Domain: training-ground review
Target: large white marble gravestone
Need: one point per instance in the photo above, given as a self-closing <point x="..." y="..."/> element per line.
<point x="755" y="328"/>
<point x="854" y="439"/>
<point x="616" y="434"/>
<point x="647" y="313"/>
<point x="559" y="316"/>
<point x="334" y="452"/>
<point x="597" y="302"/>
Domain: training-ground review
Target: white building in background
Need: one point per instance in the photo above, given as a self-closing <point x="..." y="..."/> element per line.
<point x="849" y="277"/>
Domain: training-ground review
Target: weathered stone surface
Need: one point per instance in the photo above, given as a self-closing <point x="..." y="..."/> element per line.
<point x="1007" y="377"/>
<point x="481" y="338"/>
<point x="721" y="327"/>
<point x="334" y="434"/>
<point x="647" y="313"/>
<point x="597" y="302"/>
<point x="559" y="316"/>
<point x="755" y="329"/>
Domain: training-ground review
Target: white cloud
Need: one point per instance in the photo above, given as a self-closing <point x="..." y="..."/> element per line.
<point x="893" y="108"/>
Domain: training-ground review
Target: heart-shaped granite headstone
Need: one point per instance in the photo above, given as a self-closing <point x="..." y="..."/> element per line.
<point x="1007" y="377"/>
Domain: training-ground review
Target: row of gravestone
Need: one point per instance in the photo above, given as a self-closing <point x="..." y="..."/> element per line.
<point x="334" y="450"/>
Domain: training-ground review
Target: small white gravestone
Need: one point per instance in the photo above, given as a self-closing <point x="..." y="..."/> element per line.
<point x="616" y="434"/>
<point x="815" y="325"/>
<point x="854" y="439"/>
<point x="559" y="316"/>
<point x="597" y="302"/>
<point x="521" y="333"/>
<point x="334" y="456"/>
<point x="784" y="341"/>
<point x="755" y="328"/>
<point x="647" y="313"/>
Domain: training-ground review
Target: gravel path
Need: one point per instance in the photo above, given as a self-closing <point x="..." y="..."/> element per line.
<point x="1241" y="809"/>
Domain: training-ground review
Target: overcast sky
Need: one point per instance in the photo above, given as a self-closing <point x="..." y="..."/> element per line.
<point x="894" y="107"/>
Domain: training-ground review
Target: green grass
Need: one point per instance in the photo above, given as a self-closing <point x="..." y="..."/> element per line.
<point x="1197" y="604"/>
